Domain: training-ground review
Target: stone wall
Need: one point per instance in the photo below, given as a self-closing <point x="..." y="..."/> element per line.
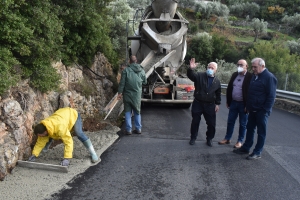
<point x="287" y="105"/>
<point x="22" y="107"/>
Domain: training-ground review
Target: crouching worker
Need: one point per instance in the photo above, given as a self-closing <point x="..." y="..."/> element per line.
<point x="59" y="126"/>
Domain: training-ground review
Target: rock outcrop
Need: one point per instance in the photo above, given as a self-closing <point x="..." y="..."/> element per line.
<point x="86" y="89"/>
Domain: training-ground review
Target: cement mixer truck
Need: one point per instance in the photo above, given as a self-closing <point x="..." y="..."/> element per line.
<point x="159" y="43"/>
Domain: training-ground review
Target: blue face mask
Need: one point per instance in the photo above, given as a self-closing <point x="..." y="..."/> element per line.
<point x="209" y="72"/>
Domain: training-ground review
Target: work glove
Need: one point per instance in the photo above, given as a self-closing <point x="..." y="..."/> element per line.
<point x="65" y="162"/>
<point x="31" y="158"/>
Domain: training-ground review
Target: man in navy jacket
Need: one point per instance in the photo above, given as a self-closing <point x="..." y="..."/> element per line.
<point x="261" y="98"/>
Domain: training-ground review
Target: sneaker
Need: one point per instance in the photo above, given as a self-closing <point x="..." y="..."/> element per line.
<point x="192" y="141"/>
<point x="240" y="151"/>
<point x="253" y="156"/>
<point x="128" y="132"/>
<point x="137" y="132"/>
<point x="224" y="141"/>
<point x="237" y="145"/>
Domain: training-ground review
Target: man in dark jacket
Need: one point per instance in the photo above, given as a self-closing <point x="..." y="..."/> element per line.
<point x="130" y="87"/>
<point x="207" y="98"/>
<point x="236" y="96"/>
<point x="261" y="98"/>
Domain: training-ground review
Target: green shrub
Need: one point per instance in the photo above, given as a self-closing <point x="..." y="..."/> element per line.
<point x="232" y="18"/>
<point x="193" y="28"/>
<point x="44" y="77"/>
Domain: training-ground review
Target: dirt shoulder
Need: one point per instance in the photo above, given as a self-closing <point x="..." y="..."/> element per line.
<point x="24" y="183"/>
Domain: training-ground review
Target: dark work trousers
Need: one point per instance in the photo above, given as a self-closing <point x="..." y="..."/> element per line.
<point x="209" y="113"/>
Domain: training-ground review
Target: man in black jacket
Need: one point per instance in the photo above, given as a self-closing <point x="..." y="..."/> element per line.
<point x="236" y="96"/>
<point x="207" y="98"/>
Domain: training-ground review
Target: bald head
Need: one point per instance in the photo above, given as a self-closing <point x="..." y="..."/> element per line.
<point x="242" y="64"/>
<point x="133" y="59"/>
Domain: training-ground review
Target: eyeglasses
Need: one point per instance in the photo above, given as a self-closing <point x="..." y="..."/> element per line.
<point x="239" y="65"/>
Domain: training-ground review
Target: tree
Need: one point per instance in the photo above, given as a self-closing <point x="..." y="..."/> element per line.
<point x="292" y="22"/>
<point x="211" y="9"/>
<point x="294" y="46"/>
<point x="121" y="13"/>
<point x="200" y="48"/>
<point x="33" y="34"/>
<point x="258" y="26"/>
<point x="87" y="30"/>
<point x="139" y="3"/>
<point x="277" y="57"/>
<point x="245" y="9"/>
<point x="186" y="3"/>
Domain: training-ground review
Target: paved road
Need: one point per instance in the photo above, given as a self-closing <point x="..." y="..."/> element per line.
<point x="160" y="164"/>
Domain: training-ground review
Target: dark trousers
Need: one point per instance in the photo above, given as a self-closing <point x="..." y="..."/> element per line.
<point x="209" y="113"/>
<point x="257" y="120"/>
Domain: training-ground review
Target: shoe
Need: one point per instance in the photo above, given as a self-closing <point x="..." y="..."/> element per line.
<point x="224" y="141"/>
<point x="209" y="142"/>
<point x="237" y="145"/>
<point x="128" y="132"/>
<point x="192" y="142"/>
<point x="240" y="151"/>
<point x="253" y="156"/>
<point x="137" y="132"/>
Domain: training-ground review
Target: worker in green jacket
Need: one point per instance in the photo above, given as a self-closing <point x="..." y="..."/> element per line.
<point x="130" y="88"/>
<point x="59" y="126"/>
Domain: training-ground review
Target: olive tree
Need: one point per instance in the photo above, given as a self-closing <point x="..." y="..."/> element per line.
<point x="258" y="26"/>
<point x="294" y="46"/>
<point x="292" y="22"/>
<point x="186" y="3"/>
<point x="211" y="9"/>
<point x="245" y="9"/>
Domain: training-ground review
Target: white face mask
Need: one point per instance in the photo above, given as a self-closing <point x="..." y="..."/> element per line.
<point x="240" y="69"/>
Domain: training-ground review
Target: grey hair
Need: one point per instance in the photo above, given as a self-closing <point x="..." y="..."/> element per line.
<point x="214" y="63"/>
<point x="260" y="61"/>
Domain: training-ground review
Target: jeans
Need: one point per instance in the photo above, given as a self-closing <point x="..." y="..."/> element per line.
<point x="137" y="121"/>
<point x="78" y="129"/>
<point x="209" y="113"/>
<point x="257" y="119"/>
<point x="236" y="109"/>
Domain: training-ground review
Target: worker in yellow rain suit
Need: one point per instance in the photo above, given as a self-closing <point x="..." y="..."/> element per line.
<point x="59" y="126"/>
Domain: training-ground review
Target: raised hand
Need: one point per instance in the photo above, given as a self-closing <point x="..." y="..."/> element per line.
<point x="193" y="64"/>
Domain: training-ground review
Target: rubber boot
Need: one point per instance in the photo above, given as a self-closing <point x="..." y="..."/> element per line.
<point x="88" y="145"/>
<point x="46" y="148"/>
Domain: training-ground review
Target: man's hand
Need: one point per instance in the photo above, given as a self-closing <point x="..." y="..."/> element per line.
<point x="217" y="108"/>
<point x="119" y="96"/>
<point x="31" y="158"/>
<point x="65" y="162"/>
<point x="192" y="63"/>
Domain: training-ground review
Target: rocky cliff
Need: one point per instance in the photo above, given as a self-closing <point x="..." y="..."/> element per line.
<point x="86" y="89"/>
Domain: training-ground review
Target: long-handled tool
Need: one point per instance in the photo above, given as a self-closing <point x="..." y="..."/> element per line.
<point x="43" y="166"/>
<point x="112" y="105"/>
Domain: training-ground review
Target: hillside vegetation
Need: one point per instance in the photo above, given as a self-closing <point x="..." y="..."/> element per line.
<point x="35" y="34"/>
<point x="227" y="33"/>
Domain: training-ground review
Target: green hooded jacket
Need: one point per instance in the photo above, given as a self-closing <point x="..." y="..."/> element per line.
<point x="130" y="86"/>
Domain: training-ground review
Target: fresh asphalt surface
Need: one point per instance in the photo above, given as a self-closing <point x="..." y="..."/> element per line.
<point x="160" y="163"/>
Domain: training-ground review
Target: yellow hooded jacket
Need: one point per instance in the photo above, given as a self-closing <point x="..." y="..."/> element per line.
<point x="59" y="126"/>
